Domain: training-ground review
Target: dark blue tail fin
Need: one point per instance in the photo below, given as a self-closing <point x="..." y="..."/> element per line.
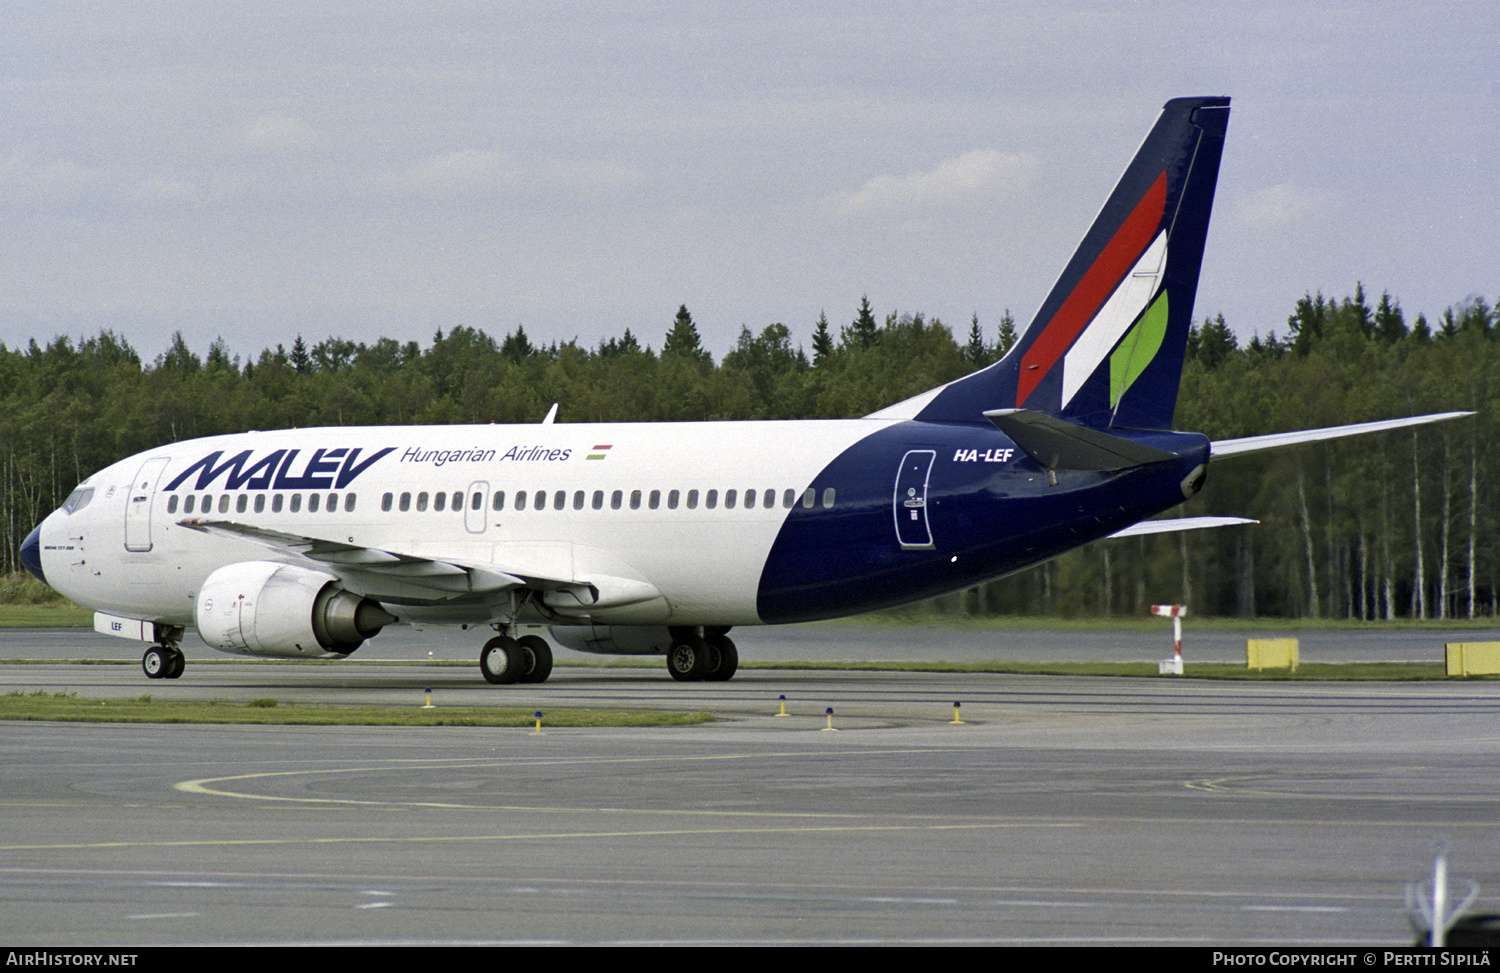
<point x="1106" y="348"/>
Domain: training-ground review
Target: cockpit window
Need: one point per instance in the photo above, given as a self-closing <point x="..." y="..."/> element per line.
<point x="78" y="499"/>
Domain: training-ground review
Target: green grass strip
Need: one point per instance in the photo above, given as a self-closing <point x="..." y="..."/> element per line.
<point x="56" y="614"/>
<point x="66" y="707"/>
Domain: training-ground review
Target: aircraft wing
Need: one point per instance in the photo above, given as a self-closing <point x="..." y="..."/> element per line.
<point x="413" y="579"/>
<point x="382" y="575"/>
<point x="1251" y="444"/>
<point x="1178" y="524"/>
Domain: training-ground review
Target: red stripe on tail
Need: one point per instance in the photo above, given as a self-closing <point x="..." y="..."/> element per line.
<point x="1121" y="253"/>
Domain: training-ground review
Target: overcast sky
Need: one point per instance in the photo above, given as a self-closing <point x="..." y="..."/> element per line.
<point x="363" y="168"/>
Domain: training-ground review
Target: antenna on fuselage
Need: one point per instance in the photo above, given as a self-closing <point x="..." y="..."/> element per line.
<point x="551" y="415"/>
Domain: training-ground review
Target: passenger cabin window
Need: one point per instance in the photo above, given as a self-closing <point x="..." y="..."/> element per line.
<point x="224" y="503"/>
<point x="276" y="503"/>
<point x="560" y="500"/>
<point x="616" y="499"/>
<point x="635" y="499"/>
<point x="312" y="503"/>
<point x="421" y="501"/>
<point x="579" y="497"/>
<point x="655" y="499"/>
<point x="296" y="502"/>
<point x="187" y="505"/>
<point x="520" y="499"/>
<point x="171" y="504"/>
<point x="439" y="502"/>
<point x="729" y="498"/>
<point x="692" y="499"/>
<point x="476" y="502"/>
<point x="458" y="500"/>
<point x="828" y="496"/>
<point x="386" y="502"/>
<point x="260" y="503"/>
<point x="499" y="501"/>
<point x="241" y="503"/>
<point x="405" y="502"/>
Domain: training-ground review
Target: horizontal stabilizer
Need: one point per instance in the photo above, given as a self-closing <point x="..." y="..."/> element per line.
<point x="1251" y="444"/>
<point x="1057" y="444"/>
<point x="1175" y="524"/>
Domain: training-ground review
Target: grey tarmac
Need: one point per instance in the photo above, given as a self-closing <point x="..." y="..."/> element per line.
<point x="1062" y="810"/>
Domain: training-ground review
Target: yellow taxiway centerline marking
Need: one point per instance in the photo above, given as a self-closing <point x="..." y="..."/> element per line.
<point x="201" y="786"/>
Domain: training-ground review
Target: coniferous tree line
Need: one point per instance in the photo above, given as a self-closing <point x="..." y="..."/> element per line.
<point x="1397" y="525"/>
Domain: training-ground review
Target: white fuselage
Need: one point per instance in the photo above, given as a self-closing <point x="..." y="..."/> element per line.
<point x="661" y="503"/>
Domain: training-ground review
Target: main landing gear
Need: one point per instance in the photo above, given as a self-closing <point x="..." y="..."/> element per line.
<point x="163" y="662"/>
<point x="711" y="657"/>
<point x="526" y="659"/>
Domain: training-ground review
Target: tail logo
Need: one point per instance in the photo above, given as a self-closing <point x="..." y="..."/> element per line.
<point x="1110" y="296"/>
<point x="1107" y="346"/>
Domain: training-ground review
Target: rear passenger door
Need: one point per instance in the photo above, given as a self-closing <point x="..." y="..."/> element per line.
<point x="909" y="505"/>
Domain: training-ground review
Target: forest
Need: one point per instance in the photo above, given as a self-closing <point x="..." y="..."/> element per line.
<point x="1393" y="525"/>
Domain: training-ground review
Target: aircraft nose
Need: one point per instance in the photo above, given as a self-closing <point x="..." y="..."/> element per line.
<point x="31" y="553"/>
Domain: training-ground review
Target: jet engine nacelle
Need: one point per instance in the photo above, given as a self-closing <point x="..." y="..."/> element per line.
<point x="272" y="609"/>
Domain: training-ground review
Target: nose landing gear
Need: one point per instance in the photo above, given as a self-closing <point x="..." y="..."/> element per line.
<point x="164" y="661"/>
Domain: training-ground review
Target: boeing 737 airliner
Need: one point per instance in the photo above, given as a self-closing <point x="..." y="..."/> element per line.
<point x="658" y="538"/>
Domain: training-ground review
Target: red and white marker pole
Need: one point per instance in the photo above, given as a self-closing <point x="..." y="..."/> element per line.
<point x="1172" y="666"/>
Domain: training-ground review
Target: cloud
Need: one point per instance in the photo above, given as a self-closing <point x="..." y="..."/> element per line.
<point x="1282" y="205"/>
<point x="161" y="191"/>
<point x="600" y="176"/>
<point x="59" y="179"/>
<point x="274" y="132"/>
<point x="967" y="180"/>
<point x="454" y="172"/>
